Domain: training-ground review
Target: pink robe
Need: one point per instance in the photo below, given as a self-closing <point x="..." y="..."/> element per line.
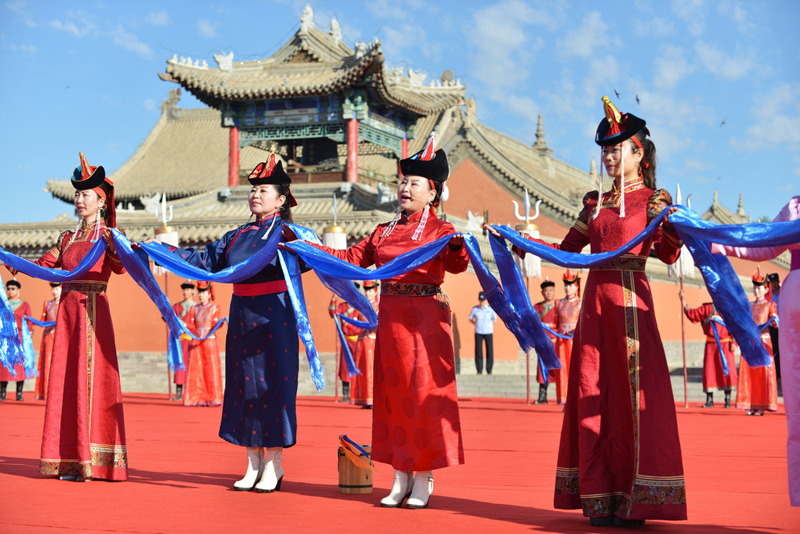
<point x="789" y="336"/>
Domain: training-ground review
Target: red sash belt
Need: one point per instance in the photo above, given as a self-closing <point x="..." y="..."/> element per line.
<point x="263" y="288"/>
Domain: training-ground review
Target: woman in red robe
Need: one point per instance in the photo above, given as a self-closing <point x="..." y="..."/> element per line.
<point x="84" y="430"/>
<point x="713" y="372"/>
<point x="758" y="387"/>
<point x="415" y="420"/>
<point x="619" y="459"/>
<point x="49" y="313"/>
<point x="568" y="310"/>
<point x="204" y="371"/>
<point x="350" y="335"/>
<point x="20" y="309"/>
<point x="361" y="389"/>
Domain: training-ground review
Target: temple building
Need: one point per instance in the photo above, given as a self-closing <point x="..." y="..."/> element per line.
<point x="340" y="118"/>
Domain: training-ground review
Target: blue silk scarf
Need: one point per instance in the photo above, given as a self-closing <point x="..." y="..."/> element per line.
<point x="721" y="280"/>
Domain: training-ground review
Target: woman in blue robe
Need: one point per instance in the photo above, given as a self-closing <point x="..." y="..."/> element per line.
<point x="261" y="348"/>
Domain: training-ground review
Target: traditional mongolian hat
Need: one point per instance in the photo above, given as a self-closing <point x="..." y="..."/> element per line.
<point x="86" y="176"/>
<point x="758" y="278"/>
<point x="572" y="278"/>
<point x="271" y="172"/>
<point x="188" y="284"/>
<point x="14" y="282"/>
<point x="371" y="284"/>
<point x="547" y="283"/>
<point x="429" y="164"/>
<point x="206" y="286"/>
<point x="615" y="128"/>
<point x="55" y="284"/>
<point x="481" y="296"/>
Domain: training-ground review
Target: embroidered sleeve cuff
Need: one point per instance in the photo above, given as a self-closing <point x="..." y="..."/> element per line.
<point x="582" y="227"/>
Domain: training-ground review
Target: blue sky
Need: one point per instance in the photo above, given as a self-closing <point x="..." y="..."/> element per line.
<point x="82" y="76"/>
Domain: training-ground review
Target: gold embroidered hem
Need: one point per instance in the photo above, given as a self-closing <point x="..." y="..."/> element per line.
<point x="81" y="286"/>
<point x="105" y="456"/>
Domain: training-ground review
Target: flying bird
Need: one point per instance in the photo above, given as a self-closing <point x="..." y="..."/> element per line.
<point x="616" y="93"/>
<point x="722" y="123"/>
<point x="637" y="100"/>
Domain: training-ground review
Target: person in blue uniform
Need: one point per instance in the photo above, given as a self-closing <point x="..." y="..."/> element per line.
<point x="261" y="348"/>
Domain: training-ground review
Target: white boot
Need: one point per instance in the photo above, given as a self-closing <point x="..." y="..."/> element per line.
<point x="401" y="489"/>
<point x="273" y="472"/>
<point x="255" y="466"/>
<point x="423" y="487"/>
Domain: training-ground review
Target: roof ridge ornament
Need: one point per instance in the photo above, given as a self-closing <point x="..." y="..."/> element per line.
<point x="224" y="61"/>
<point x="540" y="145"/>
<point x="307" y="19"/>
<point x="336" y="30"/>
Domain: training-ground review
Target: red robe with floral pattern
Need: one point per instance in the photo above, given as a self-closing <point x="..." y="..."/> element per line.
<point x="361" y="387"/>
<point x="758" y="386"/>
<point x="203" y="371"/>
<point x="568" y="311"/>
<point x="619" y="452"/>
<point x="713" y="372"/>
<point x="49" y="313"/>
<point x="415" y="420"/>
<point x="84" y="429"/>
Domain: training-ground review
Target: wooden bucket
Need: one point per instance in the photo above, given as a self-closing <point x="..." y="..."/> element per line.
<point x="353" y="479"/>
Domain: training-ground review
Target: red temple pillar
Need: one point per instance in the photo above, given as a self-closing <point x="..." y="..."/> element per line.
<point x="403" y="153"/>
<point x="352" y="149"/>
<point x="233" y="165"/>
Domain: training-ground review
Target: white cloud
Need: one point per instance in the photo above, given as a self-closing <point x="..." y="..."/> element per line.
<point x="77" y="24"/>
<point x="158" y="18"/>
<point x="130" y="42"/>
<point x="21" y="48"/>
<point x="737" y="13"/>
<point x="671" y="67"/>
<point x="395" y="9"/>
<point x="602" y="74"/>
<point x="671" y="120"/>
<point x="23" y="9"/>
<point x="724" y="66"/>
<point x="694" y="12"/>
<point x="776" y="120"/>
<point x="206" y="28"/>
<point x="583" y="41"/>
<point x="149" y="104"/>
<point x="656" y="27"/>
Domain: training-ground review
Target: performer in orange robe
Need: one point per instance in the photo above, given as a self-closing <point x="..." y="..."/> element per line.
<point x="84" y="429"/>
<point x="21" y="309"/>
<point x="182" y="309"/>
<point x="361" y="390"/>
<point x="620" y="456"/>
<point x="351" y="335"/>
<point x="713" y="372"/>
<point x="758" y="387"/>
<point x="415" y="421"/>
<point x="49" y="313"/>
<point x="204" y="371"/>
<point x="548" y="314"/>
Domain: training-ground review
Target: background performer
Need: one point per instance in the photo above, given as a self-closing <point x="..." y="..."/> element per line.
<point x="361" y="392"/>
<point x="548" y="314"/>
<point x="182" y="309"/>
<point x="483" y="317"/>
<point x="713" y="371"/>
<point x="49" y="313"/>
<point x="758" y="387"/>
<point x="351" y="335"/>
<point x="568" y="310"/>
<point x="21" y="309"/>
<point x="203" y="372"/>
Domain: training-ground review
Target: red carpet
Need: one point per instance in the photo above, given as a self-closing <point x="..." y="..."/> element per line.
<point x="181" y="473"/>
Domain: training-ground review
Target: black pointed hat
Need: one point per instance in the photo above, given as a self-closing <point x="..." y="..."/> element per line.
<point x="271" y="172"/>
<point x="617" y="127"/>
